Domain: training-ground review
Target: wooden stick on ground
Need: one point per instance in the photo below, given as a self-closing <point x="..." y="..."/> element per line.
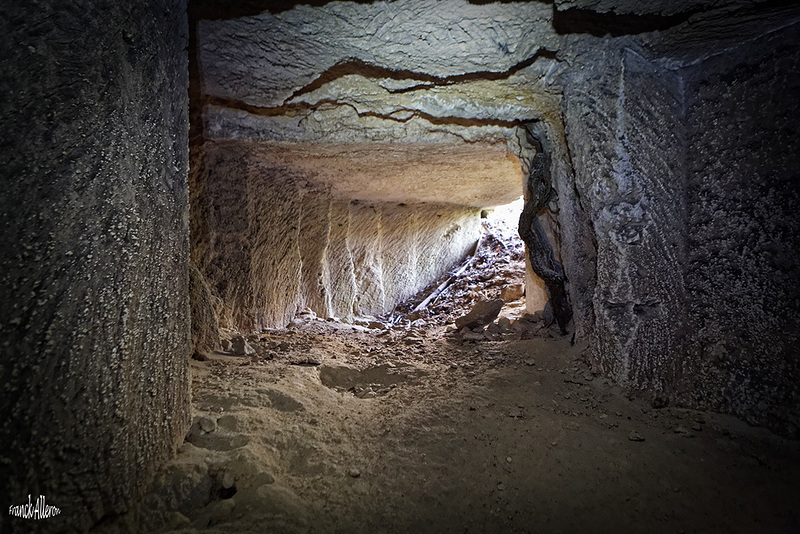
<point x="444" y="285"/>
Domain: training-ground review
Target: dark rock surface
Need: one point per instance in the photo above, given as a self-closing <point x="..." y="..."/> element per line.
<point x="742" y="273"/>
<point x="683" y="162"/>
<point x="94" y="322"/>
<point x="627" y="162"/>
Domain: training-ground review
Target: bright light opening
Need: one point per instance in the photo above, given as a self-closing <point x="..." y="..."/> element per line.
<point x="505" y="219"/>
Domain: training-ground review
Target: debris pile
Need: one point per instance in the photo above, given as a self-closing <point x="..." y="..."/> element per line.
<point x="496" y="271"/>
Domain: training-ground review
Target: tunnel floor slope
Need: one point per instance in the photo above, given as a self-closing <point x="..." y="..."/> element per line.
<point x="346" y="429"/>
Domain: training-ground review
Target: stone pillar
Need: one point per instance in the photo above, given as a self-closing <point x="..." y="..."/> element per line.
<point x="628" y="153"/>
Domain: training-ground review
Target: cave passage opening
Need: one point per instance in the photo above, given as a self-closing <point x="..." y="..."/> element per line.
<point x="346" y="187"/>
<point x="338" y="255"/>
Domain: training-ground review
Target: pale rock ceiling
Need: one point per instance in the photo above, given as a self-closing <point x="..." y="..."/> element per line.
<point x="408" y="101"/>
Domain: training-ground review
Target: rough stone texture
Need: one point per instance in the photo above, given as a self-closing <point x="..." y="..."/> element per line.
<point x="576" y="243"/>
<point x="94" y="325"/>
<point x="272" y="207"/>
<point x="265" y="59"/>
<point x="340" y="262"/>
<point x="279" y="241"/>
<point x="315" y="226"/>
<point x="629" y="168"/>
<point x="401" y="234"/>
<point x="512" y="292"/>
<point x="689" y="190"/>
<point x="445" y="235"/>
<point x="743" y="114"/>
<point x="205" y="328"/>
<point x="675" y="141"/>
<point x="365" y="243"/>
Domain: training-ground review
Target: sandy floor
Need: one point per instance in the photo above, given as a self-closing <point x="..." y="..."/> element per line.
<point x="361" y="431"/>
<point x="408" y="427"/>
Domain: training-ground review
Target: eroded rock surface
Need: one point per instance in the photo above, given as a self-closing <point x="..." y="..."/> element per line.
<point x="280" y="242"/>
<point x="340" y="156"/>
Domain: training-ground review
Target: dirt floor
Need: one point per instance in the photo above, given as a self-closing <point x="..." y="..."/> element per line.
<point x="404" y="424"/>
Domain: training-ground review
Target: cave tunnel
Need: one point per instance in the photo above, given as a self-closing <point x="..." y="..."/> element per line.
<point x="255" y="279"/>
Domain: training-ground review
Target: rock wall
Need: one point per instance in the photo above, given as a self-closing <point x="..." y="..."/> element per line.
<point x="280" y="242"/>
<point x="683" y="164"/>
<point x="94" y="322"/>
<point x="628" y="154"/>
<point x="742" y="273"/>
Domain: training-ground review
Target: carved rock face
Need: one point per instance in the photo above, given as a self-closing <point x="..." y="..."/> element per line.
<point x="365" y="150"/>
<point x="95" y="315"/>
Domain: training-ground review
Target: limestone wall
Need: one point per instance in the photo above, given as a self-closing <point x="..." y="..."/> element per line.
<point x="280" y="241"/>
<point x="94" y="321"/>
<point x="629" y="170"/>
<point x="742" y="273"/>
<point x="340" y="155"/>
<point x="682" y="160"/>
<point x="388" y="149"/>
